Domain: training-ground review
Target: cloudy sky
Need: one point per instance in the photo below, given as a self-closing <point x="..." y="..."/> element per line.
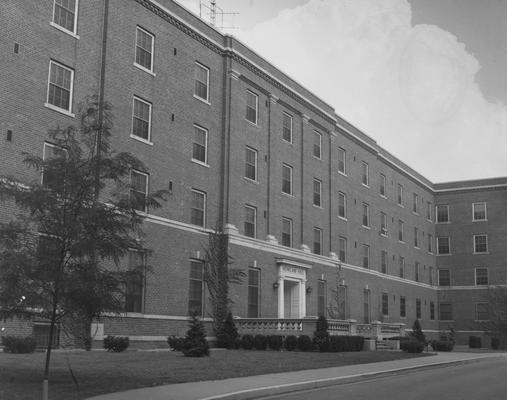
<point x="425" y="78"/>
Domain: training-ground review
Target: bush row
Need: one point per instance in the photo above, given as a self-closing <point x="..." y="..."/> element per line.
<point x="116" y="343"/>
<point x="302" y="343"/>
<point x="19" y="345"/>
<point x="474" y="342"/>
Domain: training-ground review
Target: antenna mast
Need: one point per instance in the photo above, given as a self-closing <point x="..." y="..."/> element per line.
<point x="209" y="11"/>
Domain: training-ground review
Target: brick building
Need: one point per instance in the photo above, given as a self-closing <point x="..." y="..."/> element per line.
<point x="312" y="206"/>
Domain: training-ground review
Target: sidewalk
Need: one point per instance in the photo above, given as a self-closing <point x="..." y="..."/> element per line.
<point x="263" y="385"/>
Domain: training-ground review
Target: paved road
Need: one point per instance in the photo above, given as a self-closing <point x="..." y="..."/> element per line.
<point x="481" y="380"/>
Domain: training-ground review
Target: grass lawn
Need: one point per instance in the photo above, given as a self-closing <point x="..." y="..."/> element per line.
<point x="100" y="372"/>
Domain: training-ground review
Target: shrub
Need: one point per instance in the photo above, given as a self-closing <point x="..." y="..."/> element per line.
<point x="495" y="343"/>
<point x="18" y="345"/>
<point x="345" y="343"/>
<point x="116" y="343"/>
<point x="290" y="343"/>
<point x="321" y="335"/>
<point x="304" y="343"/>
<point x="417" y="332"/>
<point x="442" y="345"/>
<point x="227" y="337"/>
<point x="195" y="343"/>
<point x="275" y="342"/>
<point x="247" y="342"/>
<point x="413" y="346"/>
<point x="260" y="342"/>
<point x="175" y="343"/>
<point x="474" y="342"/>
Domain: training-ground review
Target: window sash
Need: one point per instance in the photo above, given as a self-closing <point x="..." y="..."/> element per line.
<point x="141" y="119"/>
<point x="134" y="289"/>
<point x="317" y="241"/>
<point x="144" y="49"/>
<point x="444" y="246"/>
<point x="60" y="86"/>
<point x="198" y="208"/>
<point x="445" y="312"/>
<point x="251" y="164"/>
<point x="201" y="88"/>
<point x="400" y="195"/>
<point x="64" y="14"/>
<point x="139" y="189"/>
<point x="479" y="211"/>
<point x="366" y="216"/>
<point x="432" y="311"/>
<point x="418" y="308"/>
<point x="383" y="262"/>
<point x="342" y="205"/>
<point x="365" y="179"/>
<point x="342" y="156"/>
<point x="317" y="144"/>
<point x="200" y="145"/>
<point x="442" y="214"/>
<point x="252" y="102"/>
<point x="321" y="298"/>
<point x="196" y="288"/>
<point x="287" y="179"/>
<point x="250" y="221"/>
<point x="482" y="312"/>
<point x="342" y="249"/>
<point x="366" y="256"/>
<point x="253" y="293"/>
<point x="444" y="277"/>
<point x="382" y="185"/>
<point x="480" y="243"/>
<point x="383" y="223"/>
<point x="400" y="230"/>
<point x="402" y="267"/>
<point x="403" y="307"/>
<point x="286" y="232"/>
<point x="287" y="128"/>
<point x="317" y="192"/>
<point x="481" y="276"/>
<point x="385" y="304"/>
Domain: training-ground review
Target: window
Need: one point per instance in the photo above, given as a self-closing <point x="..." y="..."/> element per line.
<point x="445" y="312"/>
<point x="139" y="189"/>
<point x="317" y="241"/>
<point x="402" y="267"/>
<point x="250" y="163"/>
<point x="365" y="179"/>
<point x="481" y="276"/>
<point x="366" y="215"/>
<point x="415" y="199"/>
<point x="317" y="192"/>
<point x="416" y="237"/>
<point x="430" y="243"/>
<point x="321" y="298"/>
<point x="385" y="304"/>
<point x="134" y="288"/>
<point x="342" y="159"/>
<point x="400" y="194"/>
<point x="382" y="185"/>
<point x="365" y="254"/>
<point x="253" y="292"/>
<point x="51" y="177"/>
<point x="431" y="276"/>
<point x="250" y="221"/>
<point x="252" y="104"/>
<point x="60" y="87"/>
<point x="196" y="289"/>
<point x="403" y="307"/>
<point x="383" y="223"/>
<point x="287" y="128"/>
<point x="444" y="277"/>
<point x="200" y="145"/>
<point x="286" y="232"/>
<point x="287" y="179"/>
<point x="198" y="208"/>
<point x="442" y="214"/>
<point x="432" y="311"/>
<point x="342" y="249"/>
<point x="480" y="243"/>
<point x="65" y="14"/>
<point x="342" y="205"/>
<point x="428" y="211"/>
<point x="400" y="230"/>
<point x="201" y="88"/>
<point x="141" y="119"/>
<point x="383" y="261"/>
<point x="144" y="49"/>
<point x="443" y="245"/>
<point x="418" y="308"/>
<point x="417" y="268"/>
<point x="479" y="211"/>
<point x="317" y="144"/>
<point x="481" y="311"/>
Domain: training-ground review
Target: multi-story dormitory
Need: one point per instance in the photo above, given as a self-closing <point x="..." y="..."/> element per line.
<point x="311" y="204"/>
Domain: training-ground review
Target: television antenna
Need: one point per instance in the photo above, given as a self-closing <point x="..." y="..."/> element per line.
<point x="212" y="13"/>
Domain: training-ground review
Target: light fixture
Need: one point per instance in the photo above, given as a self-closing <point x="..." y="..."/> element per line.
<point x="276" y="285"/>
<point x="309" y="290"/>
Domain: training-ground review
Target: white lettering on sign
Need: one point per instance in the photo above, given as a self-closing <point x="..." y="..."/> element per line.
<point x="293" y="270"/>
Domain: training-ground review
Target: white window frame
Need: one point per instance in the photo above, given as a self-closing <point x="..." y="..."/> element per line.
<point x="383" y="223"/>
<point x="71" y="95"/>
<point x="448" y="214"/>
<point x="430" y="243"/>
<point x="254" y="209"/>
<point x="438" y="246"/>
<point x="401" y="225"/>
<point x="287" y="115"/>
<point x="193" y="190"/>
<point x="415" y="200"/>
<point x="319" y="194"/>
<point x="400" y="195"/>
<point x="428" y="211"/>
<point x="342" y="195"/>
<point x="315" y="230"/>
<point x="291" y="179"/>
<point x="152" y="52"/>
<point x="256" y="97"/>
<point x="485" y="212"/>
<point x="258" y="292"/>
<point x="383" y="183"/>
<point x="207" y="99"/>
<point x="417" y="243"/>
<point x="141" y="139"/>
<point x="474" y="243"/>
<point x="365" y="255"/>
<point x="475" y="276"/>
<point x="342" y="239"/>
<point x="63" y="29"/>
<point x="317" y="136"/>
<point x="365" y="172"/>
<point x="477" y="312"/>
<point x="289" y="220"/>
<point x="439" y="279"/>
<point x="248" y="148"/>
<point x="365" y="206"/>
<point x="342" y="151"/>
<point x="205" y="162"/>
<point x="146" y="189"/>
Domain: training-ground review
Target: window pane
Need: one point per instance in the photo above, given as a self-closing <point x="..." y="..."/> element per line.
<point x="287" y="128"/>
<point x="341" y="160"/>
<point x="64" y="14"/>
<point x="250" y="164"/>
<point x="197" y="208"/>
<point x="317" y="143"/>
<point x="251" y="107"/>
<point x="144" y="48"/>
<point x="141" y="119"/>
<point x="195" y="293"/>
<point x="250" y="221"/>
<point x="286" y="232"/>
<point x="443" y="213"/>
<point x="444" y="277"/>
<point x="253" y="293"/>
<point x="341" y="205"/>
<point x="286" y="179"/>
<point x="201" y="82"/>
<point x="317" y="186"/>
<point x="60" y="85"/>
<point x="138" y="190"/>
<point x="200" y="144"/>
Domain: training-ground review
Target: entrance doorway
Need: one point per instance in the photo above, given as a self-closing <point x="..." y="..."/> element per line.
<point x="291" y="299"/>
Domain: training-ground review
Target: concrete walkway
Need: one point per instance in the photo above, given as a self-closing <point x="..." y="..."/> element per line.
<point x="264" y="385"/>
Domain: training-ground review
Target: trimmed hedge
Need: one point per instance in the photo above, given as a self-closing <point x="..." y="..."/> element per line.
<point x="290" y="343"/>
<point x="19" y="345"/>
<point x="247" y="342"/>
<point x="116" y="343"/>
<point x="260" y="342"/>
<point x="176" y="343"/>
<point x="474" y="342"/>
<point x="495" y="343"/>
<point x="411" y="345"/>
<point x="305" y="343"/>
<point x="275" y="342"/>
<point x="442" y="345"/>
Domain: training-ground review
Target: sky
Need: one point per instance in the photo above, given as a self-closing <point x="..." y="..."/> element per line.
<point x="424" y="78"/>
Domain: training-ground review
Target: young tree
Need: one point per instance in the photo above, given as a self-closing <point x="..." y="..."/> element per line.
<point x="218" y="274"/>
<point x="496" y="321"/>
<point x="195" y="343"/>
<point x="60" y="254"/>
<point x="417" y="332"/>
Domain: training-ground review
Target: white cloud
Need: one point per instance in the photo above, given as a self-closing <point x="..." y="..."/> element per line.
<point x="411" y="88"/>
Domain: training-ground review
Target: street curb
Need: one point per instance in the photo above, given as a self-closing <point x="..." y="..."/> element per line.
<point x="321" y="383"/>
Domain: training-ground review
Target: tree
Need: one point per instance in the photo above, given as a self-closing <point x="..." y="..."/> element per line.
<point x="60" y="255"/>
<point x="495" y="306"/>
<point x="195" y="343"/>
<point x="417" y="332"/>
<point x="218" y="274"/>
<point x="337" y="308"/>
